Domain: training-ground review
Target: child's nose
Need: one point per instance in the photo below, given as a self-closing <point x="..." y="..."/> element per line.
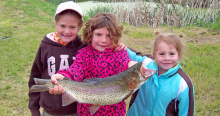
<point x="67" y="30"/>
<point x="167" y="57"/>
<point x="104" y="39"/>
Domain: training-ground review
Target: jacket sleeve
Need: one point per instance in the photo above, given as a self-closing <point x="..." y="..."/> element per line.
<point x="76" y="70"/>
<point x="134" y="56"/>
<point x="34" y="97"/>
<point x="186" y="102"/>
<point x="140" y="54"/>
<point x="124" y="56"/>
<point x="186" y="97"/>
<point x="183" y="103"/>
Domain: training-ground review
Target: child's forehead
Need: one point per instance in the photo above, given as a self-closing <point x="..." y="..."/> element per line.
<point x="164" y="44"/>
<point x="101" y="30"/>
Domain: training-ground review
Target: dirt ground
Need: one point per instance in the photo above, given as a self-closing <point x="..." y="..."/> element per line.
<point x="206" y="38"/>
<point x="192" y="35"/>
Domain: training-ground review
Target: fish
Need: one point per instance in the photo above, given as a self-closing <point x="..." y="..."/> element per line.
<point x="99" y="91"/>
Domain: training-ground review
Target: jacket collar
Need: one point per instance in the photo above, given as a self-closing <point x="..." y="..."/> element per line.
<point x="71" y="44"/>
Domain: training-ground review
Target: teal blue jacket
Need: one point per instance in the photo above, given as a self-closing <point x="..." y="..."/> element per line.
<point x="169" y="94"/>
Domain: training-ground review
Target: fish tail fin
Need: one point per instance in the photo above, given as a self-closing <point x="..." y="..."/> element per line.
<point x="41" y="85"/>
<point x="39" y="88"/>
<point x="41" y="81"/>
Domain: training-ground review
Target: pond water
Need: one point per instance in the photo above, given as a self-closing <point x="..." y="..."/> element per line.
<point x="86" y="6"/>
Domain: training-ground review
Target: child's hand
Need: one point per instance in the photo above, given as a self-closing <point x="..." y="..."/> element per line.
<point x="56" y="77"/>
<point x="58" y="89"/>
<point x="131" y="63"/>
<point x="121" y="46"/>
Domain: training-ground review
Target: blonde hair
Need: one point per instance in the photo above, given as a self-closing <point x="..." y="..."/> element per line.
<point x="170" y="39"/>
<point x="102" y="20"/>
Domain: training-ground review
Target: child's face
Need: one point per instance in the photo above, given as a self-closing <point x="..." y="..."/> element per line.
<point x="101" y="39"/>
<point x="166" y="56"/>
<point x="67" y="27"/>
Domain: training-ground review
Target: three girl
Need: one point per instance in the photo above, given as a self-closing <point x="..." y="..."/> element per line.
<point x="169" y="92"/>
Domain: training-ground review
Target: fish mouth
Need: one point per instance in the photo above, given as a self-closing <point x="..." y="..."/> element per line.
<point x="147" y="73"/>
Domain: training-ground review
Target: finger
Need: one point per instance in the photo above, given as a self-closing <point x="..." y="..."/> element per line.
<point x="51" y="91"/>
<point x="63" y="91"/>
<point x="125" y="48"/>
<point x="54" y="80"/>
<point x="56" y="89"/>
<point x="60" y="89"/>
<point x="119" y="47"/>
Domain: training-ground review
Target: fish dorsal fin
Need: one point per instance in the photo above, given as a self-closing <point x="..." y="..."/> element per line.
<point x="66" y="78"/>
<point x="94" y="81"/>
<point x="93" y="108"/>
<point x="67" y="99"/>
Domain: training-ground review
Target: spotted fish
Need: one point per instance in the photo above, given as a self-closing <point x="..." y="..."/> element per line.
<point x="99" y="91"/>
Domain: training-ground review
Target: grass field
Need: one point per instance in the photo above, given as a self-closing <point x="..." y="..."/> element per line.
<point x="23" y="24"/>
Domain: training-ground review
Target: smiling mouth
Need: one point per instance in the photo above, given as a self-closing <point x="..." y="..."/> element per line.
<point x="67" y="36"/>
<point x="103" y="46"/>
<point x="166" y="63"/>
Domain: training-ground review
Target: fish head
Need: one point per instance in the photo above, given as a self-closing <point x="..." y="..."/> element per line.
<point x="139" y="75"/>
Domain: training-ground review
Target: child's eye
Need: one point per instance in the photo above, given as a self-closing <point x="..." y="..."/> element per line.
<point x="62" y="26"/>
<point x="98" y="34"/>
<point x="73" y="27"/>
<point x="161" y="53"/>
<point x="172" y="53"/>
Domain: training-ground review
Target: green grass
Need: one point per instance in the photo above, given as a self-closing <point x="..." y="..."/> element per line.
<point x="22" y="29"/>
<point x="18" y="51"/>
<point x="141" y="34"/>
<point x="203" y="67"/>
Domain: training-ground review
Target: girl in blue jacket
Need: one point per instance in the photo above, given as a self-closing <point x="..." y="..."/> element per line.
<point x="170" y="91"/>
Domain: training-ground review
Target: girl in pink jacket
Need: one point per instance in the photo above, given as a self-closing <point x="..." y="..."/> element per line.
<point x="98" y="60"/>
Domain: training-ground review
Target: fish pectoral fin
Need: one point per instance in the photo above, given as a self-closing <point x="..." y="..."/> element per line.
<point x="94" y="108"/>
<point x="67" y="99"/>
